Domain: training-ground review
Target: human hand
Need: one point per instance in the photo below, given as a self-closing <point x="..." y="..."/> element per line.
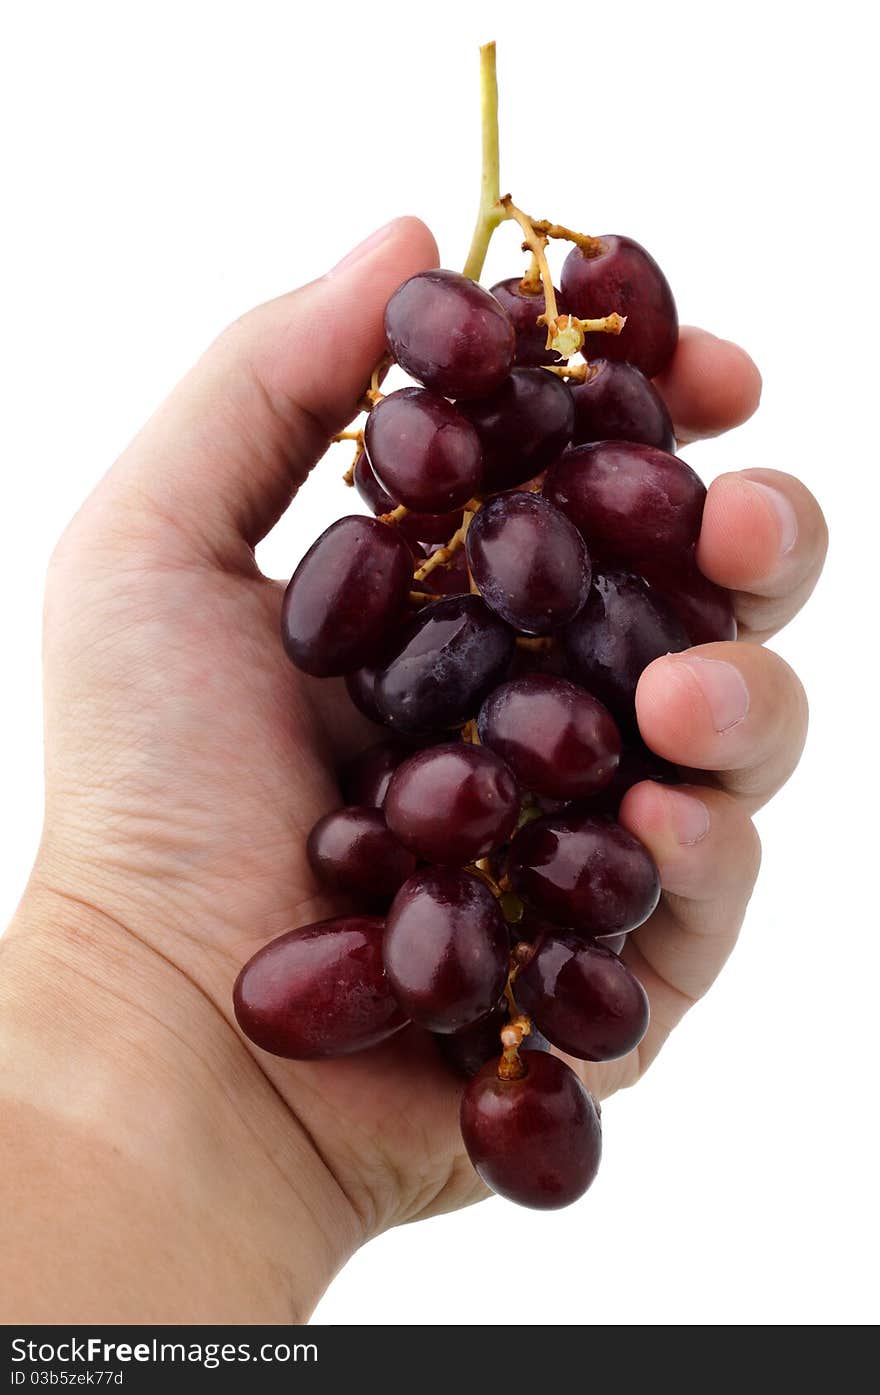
<point x="186" y="761"/>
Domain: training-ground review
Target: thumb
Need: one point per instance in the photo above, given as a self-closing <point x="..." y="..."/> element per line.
<point x="224" y="455"/>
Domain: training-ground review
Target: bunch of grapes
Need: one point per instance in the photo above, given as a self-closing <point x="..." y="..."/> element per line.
<point x="531" y="550"/>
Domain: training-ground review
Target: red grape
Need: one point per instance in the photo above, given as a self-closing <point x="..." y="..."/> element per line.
<point x="618" y="403"/>
<point x="353" y="849"/>
<point x="536" y="1140"/>
<point x="557" y="739"/>
<point x="523" y="308"/>
<point x="623" y="627"/>
<point x="523" y="426"/>
<point x="318" y="991"/>
<point x="445" y="948"/>
<point x="584" y="872"/>
<point x="450" y="334"/>
<point x="422" y="451"/>
<point x="452" y="803"/>
<point x="365" y="779"/>
<point x="415" y="527"/>
<point x="528" y="562"/>
<point x="637" y="763"/>
<point x="704" y="609"/>
<point x="454" y="652"/>
<point x="351" y="587"/>
<point x="620" y="275"/>
<point x="635" y="506"/>
<point x="583" y="998"/>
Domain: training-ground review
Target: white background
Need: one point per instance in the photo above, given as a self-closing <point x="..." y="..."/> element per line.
<point x="168" y="165"/>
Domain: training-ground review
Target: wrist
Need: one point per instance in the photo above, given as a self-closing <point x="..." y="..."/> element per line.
<point x="144" y="1136"/>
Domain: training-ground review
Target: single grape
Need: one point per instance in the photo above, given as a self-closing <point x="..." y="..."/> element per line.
<point x="415" y="527"/>
<point x="557" y="739"/>
<point x="618" y="403"/>
<point x="635" y="506"/>
<point x="536" y="1140"/>
<point x="704" y="609"/>
<point x="445" y="948"/>
<point x="450" y="334"/>
<point x="454" y="653"/>
<point x="452" y="803"/>
<point x="365" y="779"/>
<point x="422" y="451"/>
<point x="583" y="998"/>
<point x="523" y="426"/>
<point x="361" y="687"/>
<point x="523" y="309"/>
<point x="318" y="991"/>
<point x="349" y="590"/>
<point x="620" y="275"/>
<point x="584" y="872"/>
<point x="352" y="849"/>
<point x="623" y="627"/>
<point x="528" y="562"/>
<point x="637" y="763"/>
<point x="468" y="1049"/>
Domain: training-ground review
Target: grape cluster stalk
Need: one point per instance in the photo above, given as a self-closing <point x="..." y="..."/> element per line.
<point x="530" y="549"/>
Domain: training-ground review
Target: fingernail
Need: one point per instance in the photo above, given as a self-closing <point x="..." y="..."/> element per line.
<point x="688" y="816"/>
<point x="722" y="686"/>
<point x="363" y="249"/>
<point x="783" y="512"/>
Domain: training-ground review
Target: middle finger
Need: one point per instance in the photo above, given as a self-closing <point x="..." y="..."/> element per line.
<point x="735" y="709"/>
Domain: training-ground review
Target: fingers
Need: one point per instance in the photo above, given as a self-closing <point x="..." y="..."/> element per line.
<point x="708" y="855"/>
<point x="710" y="386"/>
<point x="220" y="461"/>
<point x="736" y="709"/>
<point x="765" y="538"/>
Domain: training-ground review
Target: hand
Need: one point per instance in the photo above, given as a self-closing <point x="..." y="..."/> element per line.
<point x="185" y="763"/>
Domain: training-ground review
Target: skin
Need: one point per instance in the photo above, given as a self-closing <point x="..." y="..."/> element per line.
<point x="157" y="1166"/>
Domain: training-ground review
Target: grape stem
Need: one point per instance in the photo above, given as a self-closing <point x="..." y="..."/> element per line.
<point x="489" y="213"/>
<point x="446" y="553"/>
<point x="395" y="516"/>
<point x="575" y="372"/>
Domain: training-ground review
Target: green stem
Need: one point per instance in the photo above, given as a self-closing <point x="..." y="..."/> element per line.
<point x="490" y="214"/>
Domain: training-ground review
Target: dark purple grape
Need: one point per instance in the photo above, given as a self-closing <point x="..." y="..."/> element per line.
<point x="523" y="426"/>
<point x="637" y="763"/>
<point x="445" y="949"/>
<point x="583" y="998"/>
<point x="557" y="739"/>
<point x="361" y="687"/>
<point x="318" y="991"/>
<point x="365" y="779"/>
<point x="584" y="872"/>
<point x="415" y="527"/>
<point x="704" y="609"/>
<point x="536" y="1140"/>
<point x="471" y="1047"/>
<point x="353" y="849"/>
<point x="613" y="942"/>
<point x="349" y="590"/>
<point x="422" y="451"/>
<point x="623" y="627"/>
<point x="635" y="506"/>
<point x="523" y="309"/>
<point x="620" y="275"/>
<point x="618" y="403"/>
<point x="529" y="562"/>
<point x="452" y="803"/>
<point x="453" y="654"/>
<point x="450" y="334"/>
